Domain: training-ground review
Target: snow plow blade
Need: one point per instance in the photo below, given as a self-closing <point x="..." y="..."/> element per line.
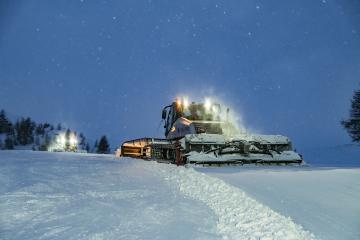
<point x="206" y="159"/>
<point x="208" y="149"/>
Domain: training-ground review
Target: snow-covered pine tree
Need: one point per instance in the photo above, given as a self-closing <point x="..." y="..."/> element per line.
<point x="103" y="145"/>
<point x="352" y="125"/>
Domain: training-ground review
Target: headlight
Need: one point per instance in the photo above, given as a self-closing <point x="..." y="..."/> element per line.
<point x="61" y="140"/>
<point x="207" y="104"/>
<point x="185" y="102"/>
<point x="73" y="140"/>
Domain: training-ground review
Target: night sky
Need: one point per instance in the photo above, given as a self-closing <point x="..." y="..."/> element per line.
<point x="108" y="67"/>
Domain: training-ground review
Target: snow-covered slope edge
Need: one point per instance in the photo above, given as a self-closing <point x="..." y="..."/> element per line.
<point x="240" y="217"/>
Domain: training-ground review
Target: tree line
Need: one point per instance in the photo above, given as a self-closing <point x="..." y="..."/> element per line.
<point x="26" y="132"/>
<point x="20" y="133"/>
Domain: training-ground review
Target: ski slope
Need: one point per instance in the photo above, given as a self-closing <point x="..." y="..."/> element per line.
<point x="83" y="196"/>
<point x="73" y="196"/>
<point x="326" y="202"/>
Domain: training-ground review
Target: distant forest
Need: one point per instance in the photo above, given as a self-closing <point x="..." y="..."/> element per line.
<point x="27" y="134"/>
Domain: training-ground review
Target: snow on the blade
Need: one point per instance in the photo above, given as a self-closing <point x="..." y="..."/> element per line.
<point x="239" y="216"/>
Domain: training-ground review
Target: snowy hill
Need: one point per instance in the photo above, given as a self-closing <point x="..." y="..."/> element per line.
<point x="86" y="196"/>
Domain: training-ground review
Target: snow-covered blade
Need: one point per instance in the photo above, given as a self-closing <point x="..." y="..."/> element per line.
<point x="240" y="149"/>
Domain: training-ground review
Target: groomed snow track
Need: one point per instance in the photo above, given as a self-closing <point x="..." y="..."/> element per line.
<point x="239" y="216"/>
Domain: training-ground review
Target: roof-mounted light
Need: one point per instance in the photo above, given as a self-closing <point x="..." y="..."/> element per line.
<point x="207" y="104"/>
<point x="185" y="102"/>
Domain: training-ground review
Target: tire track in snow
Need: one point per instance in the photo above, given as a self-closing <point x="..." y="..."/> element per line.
<point x="239" y="216"/>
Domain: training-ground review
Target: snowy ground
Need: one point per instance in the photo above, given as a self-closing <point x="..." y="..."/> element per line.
<point x="73" y="196"/>
<point x="79" y="196"/>
<point x="326" y="202"/>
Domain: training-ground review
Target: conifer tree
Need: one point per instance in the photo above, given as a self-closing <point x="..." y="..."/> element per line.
<point x="82" y="143"/>
<point x="5" y="124"/>
<point x="39" y="130"/>
<point x="103" y="145"/>
<point x="25" y="131"/>
<point x="352" y="125"/>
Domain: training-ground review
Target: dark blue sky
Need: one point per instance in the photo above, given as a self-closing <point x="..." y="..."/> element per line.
<point x="108" y="67"/>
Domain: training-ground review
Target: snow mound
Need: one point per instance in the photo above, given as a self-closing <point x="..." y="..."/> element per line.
<point x="239" y="216"/>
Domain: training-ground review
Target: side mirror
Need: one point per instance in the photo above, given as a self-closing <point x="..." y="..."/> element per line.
<point x="163" y="116"/>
